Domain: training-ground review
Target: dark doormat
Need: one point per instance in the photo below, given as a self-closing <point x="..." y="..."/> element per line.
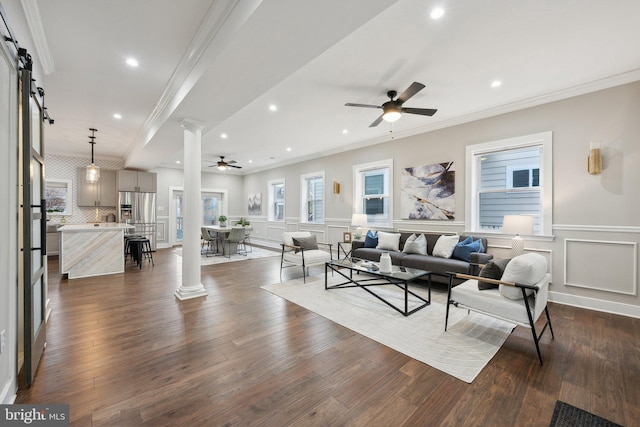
<point x="565" y="415"/>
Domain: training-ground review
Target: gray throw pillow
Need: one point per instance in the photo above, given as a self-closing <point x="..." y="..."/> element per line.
<point x="492" y="270"/>
<point x="415" y="245"/>
<point x="306" y="242"/>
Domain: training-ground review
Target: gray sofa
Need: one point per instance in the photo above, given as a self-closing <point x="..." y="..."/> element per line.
<point x="439" y="267"/>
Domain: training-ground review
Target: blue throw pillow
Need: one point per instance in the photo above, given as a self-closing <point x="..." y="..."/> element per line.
<point x="463" y="250"/>
<point x="371" y="239"/>
<point x="466" y="241"/>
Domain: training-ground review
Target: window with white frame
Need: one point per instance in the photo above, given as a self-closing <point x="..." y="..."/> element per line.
<point x="312" y="197"/>
<point x="276" y="200"/>
<point x="373" y="192"/>
<point x="510" y="177"/>
<point x="58" y="194"/>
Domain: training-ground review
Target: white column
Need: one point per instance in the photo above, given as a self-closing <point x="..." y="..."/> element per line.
<point x="191" y="286"/>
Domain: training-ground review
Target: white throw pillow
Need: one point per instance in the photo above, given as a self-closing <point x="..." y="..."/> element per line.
<point x="415" y="245"/>
<point x="527" y="269"/>
<point x="445" y="245"/>
<point x="388" y="241"/>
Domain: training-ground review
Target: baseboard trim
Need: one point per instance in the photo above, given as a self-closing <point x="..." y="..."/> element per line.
<point x="7" y="397"/>
<point x="596" y="304"/>
<point x="266" y="243"/>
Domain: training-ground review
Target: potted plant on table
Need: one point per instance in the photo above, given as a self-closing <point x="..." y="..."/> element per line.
<point x="223" y="220"/>
<point x="243" y="222"/>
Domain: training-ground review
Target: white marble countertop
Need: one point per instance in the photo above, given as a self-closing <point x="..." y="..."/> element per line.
<point x="96" y="227"/>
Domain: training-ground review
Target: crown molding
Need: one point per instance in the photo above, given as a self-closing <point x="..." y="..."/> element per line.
<point x="222" y="20"/>
<point x="32" y="15"/>
<point x="546" y="98"/>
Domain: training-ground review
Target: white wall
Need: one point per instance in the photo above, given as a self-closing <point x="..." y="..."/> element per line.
<point x="8" y="225"/>
<point x="168" y="178"/>
<point x="593" y="254"/>
<point x="65" y="167"/>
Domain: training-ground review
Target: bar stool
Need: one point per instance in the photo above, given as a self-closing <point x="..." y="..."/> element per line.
<point x="140" y="248"/>
<point x="127" y="248"/>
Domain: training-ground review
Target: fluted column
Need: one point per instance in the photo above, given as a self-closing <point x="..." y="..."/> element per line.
<point x="191" y="286"/>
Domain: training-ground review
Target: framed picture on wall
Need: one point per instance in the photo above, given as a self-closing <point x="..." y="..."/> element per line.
<point x="346" y="237"/>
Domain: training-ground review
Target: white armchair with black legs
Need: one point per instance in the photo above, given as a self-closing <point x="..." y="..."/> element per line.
<point x="301" y="249"/>
<point x="519" y="295"/>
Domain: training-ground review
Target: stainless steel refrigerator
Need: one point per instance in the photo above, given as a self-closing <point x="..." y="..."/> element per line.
<point x="139" y="210"/>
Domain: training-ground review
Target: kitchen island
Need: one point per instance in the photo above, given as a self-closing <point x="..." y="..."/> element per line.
<point x="92" y="249"/>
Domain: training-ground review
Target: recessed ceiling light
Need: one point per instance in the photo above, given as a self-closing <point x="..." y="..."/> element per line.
<point x="131" y="62"/>
<point x="437" y="13"/>
<point x="496" y="83"/>
<point x="273" y="107"/>
<point x="178" y="161"/>
<point x="345" y="131"/>
<point x="288" y="148"/>
<point x="223" y="135"/>
<point x="117" y="116"/>
<point x="250" y="161"/>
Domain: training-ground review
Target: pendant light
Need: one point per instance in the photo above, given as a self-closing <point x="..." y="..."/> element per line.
<point x="93" y="171"/>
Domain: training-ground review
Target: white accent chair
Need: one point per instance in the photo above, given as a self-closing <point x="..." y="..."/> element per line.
<point x="521" y="297"/>
<point x="297" y="256"/>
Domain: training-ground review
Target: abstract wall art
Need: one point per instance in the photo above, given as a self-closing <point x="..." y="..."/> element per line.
<point x="428" y="192"/>
<point x="255" y="204"/>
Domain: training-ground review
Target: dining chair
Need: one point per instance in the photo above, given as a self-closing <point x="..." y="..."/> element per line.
<point x="209" y="240"/>
<point x="247" y="239"/>
<point x="235" y="237"/>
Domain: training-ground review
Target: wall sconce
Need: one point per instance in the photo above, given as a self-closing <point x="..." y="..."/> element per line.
<point x="594" y="164"/>
<point x="336" y="187"/>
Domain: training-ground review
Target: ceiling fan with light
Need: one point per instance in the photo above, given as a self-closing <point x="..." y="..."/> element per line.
<point x="222" y="165"/>
<point x="393" y="109"/>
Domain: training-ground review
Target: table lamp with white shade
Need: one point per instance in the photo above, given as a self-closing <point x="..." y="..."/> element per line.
<point x="517" y="224"/>
<point x="359" y="221"/>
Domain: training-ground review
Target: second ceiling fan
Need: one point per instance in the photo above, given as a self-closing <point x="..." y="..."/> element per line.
<point x="393" y="109"/>
<point x="222" y="165"/>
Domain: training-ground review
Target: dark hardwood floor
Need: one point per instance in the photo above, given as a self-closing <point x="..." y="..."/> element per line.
<point x="122" y="351"/>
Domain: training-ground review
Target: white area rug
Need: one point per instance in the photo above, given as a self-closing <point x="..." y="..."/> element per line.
<point x="468" y="345"/>
<point x="218" y="259"/>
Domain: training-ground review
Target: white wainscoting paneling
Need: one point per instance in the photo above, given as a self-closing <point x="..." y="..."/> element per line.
<point x="274" y="232"/>
<point x="318" y="231"/>
<point x="610" y="266"/>
<point x="162" y="228"/>
<point x="334" y="233"/>
<point x="259" y="227"/>
<point x="292" y="226"/>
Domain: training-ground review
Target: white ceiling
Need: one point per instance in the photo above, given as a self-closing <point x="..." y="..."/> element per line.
<point x="224" y="62"/>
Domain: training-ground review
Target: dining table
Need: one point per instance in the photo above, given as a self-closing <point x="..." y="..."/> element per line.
<point x="222" y="233"/>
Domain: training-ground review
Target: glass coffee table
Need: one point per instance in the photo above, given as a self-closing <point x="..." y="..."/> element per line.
<point x="368" y="275"/>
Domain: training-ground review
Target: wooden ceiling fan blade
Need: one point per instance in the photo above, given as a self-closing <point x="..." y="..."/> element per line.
<point x="233" y="166"/>
<point x="231" y="161"/>
<point x="411" y="90"/>
<point x="421" y="111"/>
<point x="350" y="104"/>
<point x="376" y="122"/>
